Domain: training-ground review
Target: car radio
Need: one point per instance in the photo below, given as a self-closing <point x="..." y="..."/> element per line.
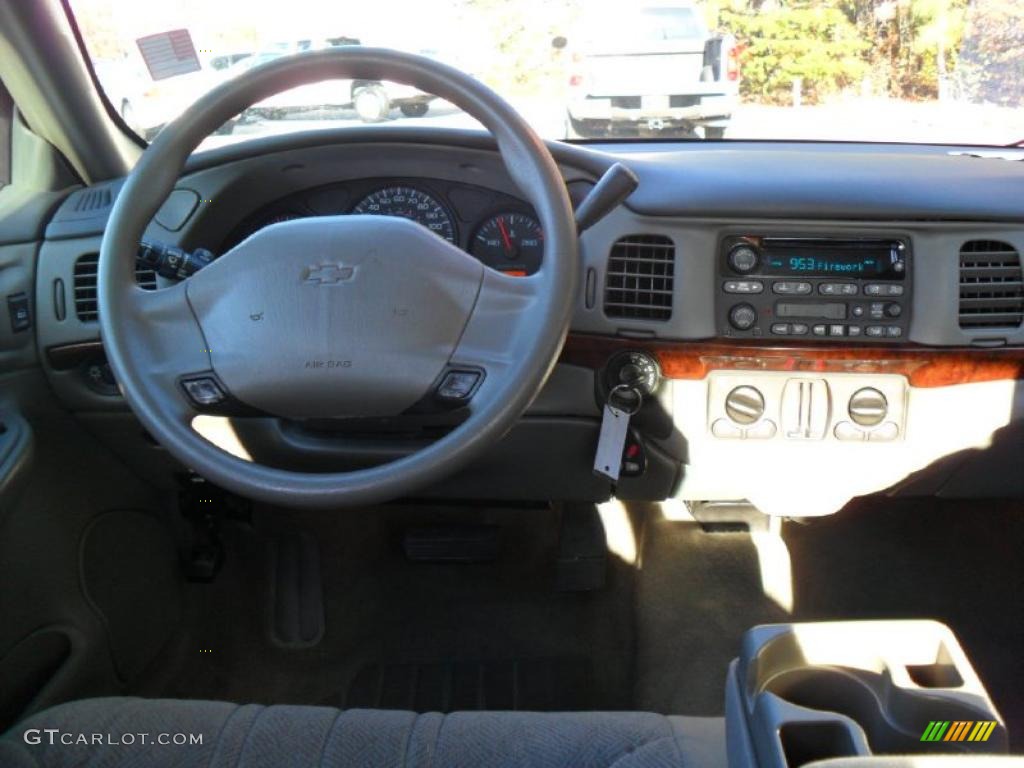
<point x="814" y="288"/>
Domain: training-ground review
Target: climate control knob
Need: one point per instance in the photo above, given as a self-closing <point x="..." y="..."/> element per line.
<point x="744" y="405"/>
<point x="742" y="317"/>
<point x="743" y="259"/>
<point x="868" y="407"/>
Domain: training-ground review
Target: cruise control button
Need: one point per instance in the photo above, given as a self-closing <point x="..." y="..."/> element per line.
<point x="204" y="391"/>
<point x="458" y="385"/>
<point x="781" y="329"/>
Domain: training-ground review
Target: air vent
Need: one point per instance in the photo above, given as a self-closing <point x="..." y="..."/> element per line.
<point x="93" y="200"/>
<point x="639" y="280"/>
<point x="991" y="288"/>
<point x="85" y="285"/>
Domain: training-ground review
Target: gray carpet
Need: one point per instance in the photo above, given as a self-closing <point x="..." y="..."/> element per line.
<point x="387" y="618"/>
<point x="658" y="638"/>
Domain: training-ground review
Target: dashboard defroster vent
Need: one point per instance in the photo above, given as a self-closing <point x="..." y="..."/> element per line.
<point x="991" y="285"/>
<point x="639" y="280"/>
<point x="94" y="199"/>
<point x="85" y="285"/>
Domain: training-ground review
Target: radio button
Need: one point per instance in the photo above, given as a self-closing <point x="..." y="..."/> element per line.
<point x="798" y="329"/>
<point x="878" y="289"/>
<point x="875" y="331"/>
<point x="877" y="310"/>
<point x="837" y="330"/>
<point x="790" y="287"/>
<point x="781" y="329"/>
<point x="854" y="330"/>
<point x="742" y="317"/>
<point x="743" y="286"/>
<point x="820" y="330"/>
<point x="857" y="310"/>
<point x="837" y="289"/>
<point x="894" y="290"/>
<point x="893" y="331"/>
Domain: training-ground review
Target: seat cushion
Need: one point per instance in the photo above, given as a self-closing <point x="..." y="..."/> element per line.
<point x="104" y="733"/>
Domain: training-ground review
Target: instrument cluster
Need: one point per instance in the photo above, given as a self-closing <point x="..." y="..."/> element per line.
<point x="500" y="230"/>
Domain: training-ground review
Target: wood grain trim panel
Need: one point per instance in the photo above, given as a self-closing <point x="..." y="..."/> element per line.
<point x="923" y="366"/>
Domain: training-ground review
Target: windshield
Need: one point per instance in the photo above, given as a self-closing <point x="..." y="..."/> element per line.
<point x="925" y="71"/>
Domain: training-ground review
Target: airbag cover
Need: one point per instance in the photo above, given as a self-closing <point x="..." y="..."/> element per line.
<point x="334" y="317"/>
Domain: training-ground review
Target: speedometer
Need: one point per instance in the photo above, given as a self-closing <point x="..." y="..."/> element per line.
<point x="409" y="203"/>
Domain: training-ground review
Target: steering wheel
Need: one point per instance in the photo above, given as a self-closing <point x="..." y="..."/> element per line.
<point x="341" y="316"/>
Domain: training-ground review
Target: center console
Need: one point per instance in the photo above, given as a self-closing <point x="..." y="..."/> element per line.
<point x="800" y="693"/>
<point x="814" y="288"/>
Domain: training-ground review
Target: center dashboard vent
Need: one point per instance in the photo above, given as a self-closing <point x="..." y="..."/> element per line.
<point x="991" y="285"/>
<point x="86" y="308"/>
<point x="640" y="278"/>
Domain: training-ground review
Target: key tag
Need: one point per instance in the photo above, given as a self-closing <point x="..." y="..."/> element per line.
<point x="614" y="429"/>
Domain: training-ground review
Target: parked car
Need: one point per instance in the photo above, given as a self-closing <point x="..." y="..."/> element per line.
<point x="651" y="68"/>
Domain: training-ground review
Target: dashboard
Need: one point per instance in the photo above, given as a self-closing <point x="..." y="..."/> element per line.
<point x="821" y="321"/>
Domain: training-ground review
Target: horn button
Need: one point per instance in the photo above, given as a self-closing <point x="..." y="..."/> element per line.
<point x="331" y="317"/>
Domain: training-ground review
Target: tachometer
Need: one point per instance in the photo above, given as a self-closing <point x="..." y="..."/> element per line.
<point x="411" y="204"/>
<point x="509" y="242"/>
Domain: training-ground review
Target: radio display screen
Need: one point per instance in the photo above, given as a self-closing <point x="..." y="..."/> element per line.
<point x="876" y="261"/>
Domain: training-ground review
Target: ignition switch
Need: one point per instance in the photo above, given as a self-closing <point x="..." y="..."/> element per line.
<point x="637" y="370"/>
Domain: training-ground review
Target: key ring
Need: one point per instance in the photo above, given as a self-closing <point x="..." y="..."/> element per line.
<point x="627" y="388"/>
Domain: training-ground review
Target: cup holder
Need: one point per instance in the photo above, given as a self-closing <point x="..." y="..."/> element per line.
<point x="890" y="718"/>
<point x="839" y="689"/>
<point x="804" y="743"/>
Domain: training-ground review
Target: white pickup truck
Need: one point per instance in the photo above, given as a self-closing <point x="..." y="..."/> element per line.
<point x="649" y="69"/>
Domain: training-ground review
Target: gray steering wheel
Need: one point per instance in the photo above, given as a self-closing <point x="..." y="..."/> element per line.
<point x="337" y="317"/>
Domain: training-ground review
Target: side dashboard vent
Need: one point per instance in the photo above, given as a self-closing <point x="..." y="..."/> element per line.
<point x="86" y="308"/>
<point x="640" y="278"/>
<point x="991" y="285"/>
<point x="93" y="200"/>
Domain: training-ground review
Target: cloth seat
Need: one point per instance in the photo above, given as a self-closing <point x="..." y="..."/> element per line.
<point x="122" y="732"/>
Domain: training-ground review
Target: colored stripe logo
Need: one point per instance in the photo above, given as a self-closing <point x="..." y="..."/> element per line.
<point x="958" y="730"/>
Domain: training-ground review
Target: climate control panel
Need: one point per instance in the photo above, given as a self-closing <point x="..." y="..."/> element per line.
<point x="814" y="289"/>
<point x="806" y="407"/>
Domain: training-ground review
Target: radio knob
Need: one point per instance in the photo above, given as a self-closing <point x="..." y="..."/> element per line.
<point x="743" y="259"/>
<point x="742" y="317"/>
<point x="868" y="407"/>
<point x="893" y="310"/>
<point x="744" y="405"/>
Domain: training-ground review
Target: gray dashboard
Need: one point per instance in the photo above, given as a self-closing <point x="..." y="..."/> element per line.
<point x="689" y="198"/>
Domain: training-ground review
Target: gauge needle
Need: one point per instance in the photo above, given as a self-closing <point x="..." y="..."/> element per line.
<point x="504" y="234"/>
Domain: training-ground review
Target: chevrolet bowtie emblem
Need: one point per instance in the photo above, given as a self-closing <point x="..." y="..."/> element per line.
<point x="327" y="274"/>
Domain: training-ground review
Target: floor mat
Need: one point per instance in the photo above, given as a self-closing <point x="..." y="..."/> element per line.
<point x="386" y="618"/>
<point x="532" y="685"/>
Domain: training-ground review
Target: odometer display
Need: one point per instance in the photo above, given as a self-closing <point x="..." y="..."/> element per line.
<point x="409" y="203"/>
<point x="509" y="242"/>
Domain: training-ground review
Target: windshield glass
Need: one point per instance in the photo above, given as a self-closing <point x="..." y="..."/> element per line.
<point x="927" y="71"/>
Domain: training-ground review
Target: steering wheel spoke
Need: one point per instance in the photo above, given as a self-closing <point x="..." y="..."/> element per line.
<point x="169" y="347"/>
